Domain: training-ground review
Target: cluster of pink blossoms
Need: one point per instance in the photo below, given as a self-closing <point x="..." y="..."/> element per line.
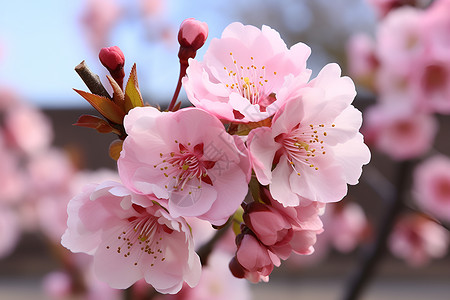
<point x="264" y="149"/>
<point x="407" y="66"/>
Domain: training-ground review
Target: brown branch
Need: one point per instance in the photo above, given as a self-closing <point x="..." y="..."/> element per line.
<point x="91" y="80"/>
<point x="373" y="255"/>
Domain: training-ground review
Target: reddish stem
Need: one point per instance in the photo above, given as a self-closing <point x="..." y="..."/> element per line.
<point x="183" y="67"/>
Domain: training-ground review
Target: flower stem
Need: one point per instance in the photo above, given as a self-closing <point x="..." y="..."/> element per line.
<point x="373" y="255"/>
<point x="183" y="67"/>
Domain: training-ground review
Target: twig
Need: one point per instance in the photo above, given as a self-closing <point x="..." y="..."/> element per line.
<point x="91" y="80"/>
<point x="373" y="255"/>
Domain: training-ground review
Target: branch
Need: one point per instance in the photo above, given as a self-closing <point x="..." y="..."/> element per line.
<point x="374" y="254"/>
<point x="91" y="80"/>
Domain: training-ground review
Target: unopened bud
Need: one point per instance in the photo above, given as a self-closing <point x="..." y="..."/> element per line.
<point x="113" y="59"/>
<point x="192" y="34"/>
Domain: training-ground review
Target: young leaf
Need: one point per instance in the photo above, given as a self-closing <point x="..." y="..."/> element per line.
<point x="96" y="123"/>
<point x="133" y="96"/>
<point x="106" y="107"/>
<point x="118" y="96"/>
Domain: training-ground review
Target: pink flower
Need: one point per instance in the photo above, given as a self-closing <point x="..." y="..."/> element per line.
<point x="362" y="59"/>
<point x="414" y="62"/>
<point x="98" y="18"/>
<point x="399" y="38"/>
<point x="131" y="238"/>
<point x="313" y="139"/>
<point x="243" y="72"/>
<point x="187" y="158"/>
<point x="432" y="186"/>
<point x="345" y="226"/>
<point x="417" y="239"/>
<point x="400" y="131"/>
<point x="57" y="285"/>
<point x="253" y="260"/>
<point x="217" y="283"/>
<point x="113" y="59"/>
<point x="383" y="7"/>
<point x="272" y="232"/>
<point x="12" y="177"/>
<point x="28" y="128"/>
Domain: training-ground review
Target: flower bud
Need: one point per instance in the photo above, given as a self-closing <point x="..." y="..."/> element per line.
<point x="268" y="225"/>
<point x="192" y="34"/>
<point x="113" y="59"/>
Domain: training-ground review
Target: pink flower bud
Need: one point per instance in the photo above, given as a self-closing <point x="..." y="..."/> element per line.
<point x="253" y="256"/>
<point x="269" y="226"/>
<point x="192" y="34"/>
<point x="113" y="59"/>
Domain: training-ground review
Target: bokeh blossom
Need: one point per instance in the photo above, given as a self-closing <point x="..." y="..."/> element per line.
<point x="432" y="186"/>
<point x="417" y="240"/>
<point x="399" y="130"/>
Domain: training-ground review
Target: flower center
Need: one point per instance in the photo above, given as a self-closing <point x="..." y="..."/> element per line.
<point x="302" y="145"/>
<point x="251" y="83"/>
<point x="182" y="166"/>
<point x="143" y="235"/>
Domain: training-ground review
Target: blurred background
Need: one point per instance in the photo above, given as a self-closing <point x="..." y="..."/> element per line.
<point x="40" y="44"/>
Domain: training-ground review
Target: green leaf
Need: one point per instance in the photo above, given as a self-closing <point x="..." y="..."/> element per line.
<point x="133" y="96"/>
<point x="105" y="106"/>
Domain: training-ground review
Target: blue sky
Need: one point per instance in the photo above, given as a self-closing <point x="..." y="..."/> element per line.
<point x="42" y="41"/>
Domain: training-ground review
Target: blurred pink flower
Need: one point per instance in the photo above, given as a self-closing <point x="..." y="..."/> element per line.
<point x="131" y="238"/>
<point x="12" y="177"/>
<point x="217" y="283"/>
<point x="9" y="230"/>
<point x="8" y="98"/>
<point x="412" y="50"/>
<point x="362" y="60"/>
<point x="399" y="39"/>
<point x="345" y="225"/>
<point x="432" y="186"/>
<point x="399" y="131"/>
<point x="50" y="172"/>
<point x="98" y="18"/>
<point x="314" y="139"/>
<point x="186" y="157"/>
<point x="417" y="239"/>
<point x="243" y="72"/>
<point x="383" y="7"/>
<point x="57" y="285"/>
<point x="28" y="129"/>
